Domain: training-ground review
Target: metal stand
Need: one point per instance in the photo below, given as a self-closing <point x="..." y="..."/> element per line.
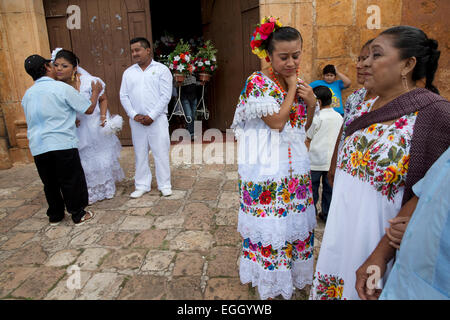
<point x="178" y="108"/>
<point x="204" y="110"/>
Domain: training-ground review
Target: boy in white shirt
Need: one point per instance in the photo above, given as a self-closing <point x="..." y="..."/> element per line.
<point x="321" y="138"/>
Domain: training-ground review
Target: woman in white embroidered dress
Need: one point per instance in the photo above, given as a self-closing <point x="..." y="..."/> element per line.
<point x="372" y="168"/>
<point x="276" y="216"/>
<point x="99" y="148"/>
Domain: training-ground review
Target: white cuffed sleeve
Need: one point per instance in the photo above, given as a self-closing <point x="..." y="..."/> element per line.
<point x="125" y="98"/>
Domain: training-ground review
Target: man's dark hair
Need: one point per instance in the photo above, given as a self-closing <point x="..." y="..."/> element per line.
<point x="42" y="72"/>
<point x="323" y="94"/>
<point x="329" y="68"/>
<point x="35" y="66"/>
<point x="144" y="42"/>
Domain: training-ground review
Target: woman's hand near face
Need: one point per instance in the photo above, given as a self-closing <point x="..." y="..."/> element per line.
<point x="306" y="92"/>
<point x="291" y="81"/>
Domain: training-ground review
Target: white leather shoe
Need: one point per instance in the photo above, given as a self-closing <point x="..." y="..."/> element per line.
<point x="137" y="193"/>
<point x="166" y="192"/>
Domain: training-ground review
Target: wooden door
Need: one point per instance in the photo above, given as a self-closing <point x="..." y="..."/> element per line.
<point x="229" y="24"/>
<point x="102" y="43"/>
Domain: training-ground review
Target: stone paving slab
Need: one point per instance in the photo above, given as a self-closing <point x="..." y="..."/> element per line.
<point x="13" y="278"/>
<point x="184" y="288"/>
<point x="17" y="240"/>
<point x="151" y="239"/>
<point x="92" y="258"/>
<point x="158" y="260"/>
<point x="67" y="288"/>
<point x="38" y="284"/>
<point x="189" y="264"/>
<point x="102" y="286"/>
<point x="185" y="246"/>
<point x="144" y="287"/>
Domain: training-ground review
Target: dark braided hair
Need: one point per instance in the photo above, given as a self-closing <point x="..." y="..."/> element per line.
<point x="413" y="42"/>
<point x="282" y="34"/>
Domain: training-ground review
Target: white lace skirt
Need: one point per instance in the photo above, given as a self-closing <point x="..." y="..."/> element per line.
<point x="99" y="155"/>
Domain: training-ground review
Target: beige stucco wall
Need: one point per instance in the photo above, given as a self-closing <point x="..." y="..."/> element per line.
<point x="334" y="31"/>
<point x="432" y="16"/>
<point x="23" y="32"/>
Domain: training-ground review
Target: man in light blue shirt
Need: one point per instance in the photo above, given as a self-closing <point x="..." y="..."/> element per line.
<point x="422" y="267"/>
<point x="50" y="108"/>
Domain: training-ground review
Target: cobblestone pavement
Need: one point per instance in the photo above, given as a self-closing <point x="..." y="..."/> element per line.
<point x="181" y="247"/>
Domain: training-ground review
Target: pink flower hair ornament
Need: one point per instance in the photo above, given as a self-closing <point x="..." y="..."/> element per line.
<point x="262" y="32"/>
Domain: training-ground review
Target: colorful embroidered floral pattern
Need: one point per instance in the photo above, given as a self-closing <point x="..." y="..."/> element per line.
<point x="379" y="155"/>
<point x="276" y="198"/>
<point x="353" y="105"/>
<point x="354" y="100"/>
<point x="258" y="85"/>
<point x="329" y="287"/>
<point x="271" y="259"/>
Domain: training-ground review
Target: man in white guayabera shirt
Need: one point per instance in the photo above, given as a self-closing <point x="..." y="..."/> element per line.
<point x="145" y="92"/>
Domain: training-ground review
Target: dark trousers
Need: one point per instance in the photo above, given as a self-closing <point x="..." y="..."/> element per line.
<point x="326" y="190"/>
<point x="64" y="183"/>
<point x="190" y="110"/>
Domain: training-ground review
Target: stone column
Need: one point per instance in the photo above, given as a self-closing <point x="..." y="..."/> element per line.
<point x="23" y="32"/>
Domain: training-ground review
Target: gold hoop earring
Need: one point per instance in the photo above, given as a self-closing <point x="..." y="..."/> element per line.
<point x="73" y="77"/>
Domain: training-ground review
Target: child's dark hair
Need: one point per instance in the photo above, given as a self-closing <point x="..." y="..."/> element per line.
<point x="69" y="56"/>
<point x="413" y="42"/>
<point x="329" y="68"/>
<point x="323" y="94"/>
<point x="282" y="34"/>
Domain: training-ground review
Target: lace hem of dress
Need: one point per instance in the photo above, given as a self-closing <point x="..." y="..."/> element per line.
<point x="274" y="283"/>
<point x="276" y="231"/>
<point x="255" y="108"/>
<point x="105" y="190"/>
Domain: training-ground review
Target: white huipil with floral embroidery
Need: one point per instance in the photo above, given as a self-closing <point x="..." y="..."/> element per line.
<point x="368" y="189"/>
<point x="276" y="215"/>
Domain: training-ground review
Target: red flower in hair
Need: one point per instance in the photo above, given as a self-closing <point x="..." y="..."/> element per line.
<point x="255" y="44"/>
<point x="266" y="29"/>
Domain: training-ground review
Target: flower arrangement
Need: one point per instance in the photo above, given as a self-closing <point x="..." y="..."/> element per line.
<point x="180" y="60"/>
<point x="258" y="41"/>
<point x="205" y="60"/>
